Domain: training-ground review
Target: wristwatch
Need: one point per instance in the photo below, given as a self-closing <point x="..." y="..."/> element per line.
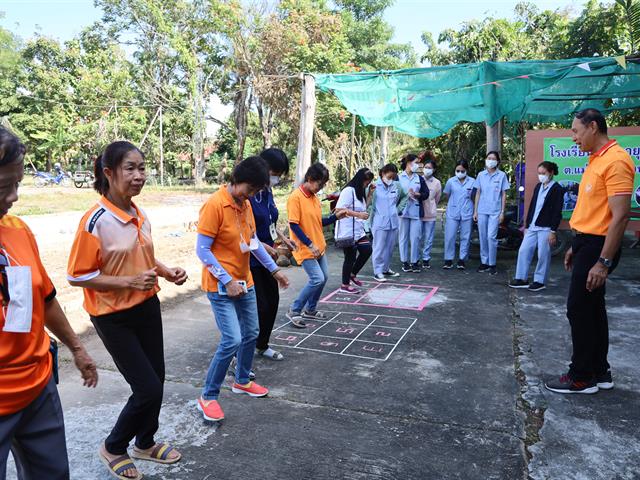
<point x="605" y="261"/>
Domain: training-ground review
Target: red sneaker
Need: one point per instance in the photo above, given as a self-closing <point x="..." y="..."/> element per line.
<point x="355" y="281"/>
<point x="252" y="389"/>
<point x="210" y="409"/>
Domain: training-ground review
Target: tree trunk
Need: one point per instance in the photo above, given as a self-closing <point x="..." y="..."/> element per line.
<point x="240" y="110"/>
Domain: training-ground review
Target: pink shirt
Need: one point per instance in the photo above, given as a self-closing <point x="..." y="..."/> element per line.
<point x="430" y="205"/>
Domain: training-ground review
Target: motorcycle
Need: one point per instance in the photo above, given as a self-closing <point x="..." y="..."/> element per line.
<point x="42" y="179"/>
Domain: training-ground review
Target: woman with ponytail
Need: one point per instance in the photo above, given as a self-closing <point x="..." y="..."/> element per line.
<point x="113" y="260"/>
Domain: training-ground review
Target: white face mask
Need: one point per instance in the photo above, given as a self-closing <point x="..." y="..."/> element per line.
<point x="490" y="163"/>
<point x="543" y="178"/>
<point x="274" y="180"/>
<point x="387" y="181"/>
<point x="414" y="167"/>
<point x="461" y="175"/>
<point x="428" y="172"/>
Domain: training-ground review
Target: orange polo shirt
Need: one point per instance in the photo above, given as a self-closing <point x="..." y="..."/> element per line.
<point x="304" y="209"/>
<point x="609" y="173"/>
<point x="224" y="220"/>
<point x="112" y="242"/>
<point x="25" y="362"/>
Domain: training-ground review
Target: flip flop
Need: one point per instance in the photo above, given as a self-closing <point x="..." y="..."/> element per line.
<point x="159" y="454"/>
<point x="119" y="465"/>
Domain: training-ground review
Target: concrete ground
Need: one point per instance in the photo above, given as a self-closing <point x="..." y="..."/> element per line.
<point x="460" y="397"/>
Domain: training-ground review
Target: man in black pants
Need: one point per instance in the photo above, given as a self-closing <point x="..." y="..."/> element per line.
<point x="598" y="221"/>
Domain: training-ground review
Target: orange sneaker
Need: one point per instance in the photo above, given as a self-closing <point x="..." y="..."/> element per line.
<point x="210" y="409"/>
<point x="251" y="388"/>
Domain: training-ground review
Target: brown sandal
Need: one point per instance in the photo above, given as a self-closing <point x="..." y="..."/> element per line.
<point x="119" y="465"/>
<point x="159" y="454"/>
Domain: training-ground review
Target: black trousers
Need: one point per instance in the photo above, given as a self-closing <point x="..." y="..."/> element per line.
<point x="267" y="298"/>
<point x="133" y="337"/>
<point x="35" y="436"/>
<point x="355" y="258"/>
<point x="587" y="311"/>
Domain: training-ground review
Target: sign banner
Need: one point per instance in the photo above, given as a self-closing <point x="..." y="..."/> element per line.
<point x="572" y="162"/>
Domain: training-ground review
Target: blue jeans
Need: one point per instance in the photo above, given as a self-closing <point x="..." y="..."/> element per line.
<point x="428" y="230"/>
<point x="318" y="272"/>
<point x="237" y="320"/>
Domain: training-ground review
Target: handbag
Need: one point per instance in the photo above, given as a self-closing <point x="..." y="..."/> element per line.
<point x="347" y="242"/>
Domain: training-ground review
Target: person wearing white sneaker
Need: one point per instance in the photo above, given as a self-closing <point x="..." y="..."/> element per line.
<point x="350" y="234"/>
<point x="383" y="216"/>
<point x="430" y="206"/>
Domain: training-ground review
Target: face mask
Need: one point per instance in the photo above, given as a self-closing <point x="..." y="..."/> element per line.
<point x="428" y="172"/>
<point x="491" y="163"/>
<point x="414" y="167"/>
<point x="386" y="181"/>
<point x="543" y="178"/>
<point x="461" y="175"/>
<point x="274" y="180"/>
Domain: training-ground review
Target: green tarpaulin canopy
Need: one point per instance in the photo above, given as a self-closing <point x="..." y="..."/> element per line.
<point x="427" y="102"/>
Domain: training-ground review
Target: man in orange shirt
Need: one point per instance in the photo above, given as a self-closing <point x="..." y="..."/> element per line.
<point x="599" y="221"/>
<point x="31" y="423"/>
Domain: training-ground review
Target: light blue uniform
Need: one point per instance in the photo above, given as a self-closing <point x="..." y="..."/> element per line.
<point x="459" y="217"/>
<point x="536" y="237"/>
<point x="410" y="221"/>
<point x="491" y="187"/>
<point x="383" y="215"/>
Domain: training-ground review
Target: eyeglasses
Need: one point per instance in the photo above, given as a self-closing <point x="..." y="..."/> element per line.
<point x="4" y="286"/>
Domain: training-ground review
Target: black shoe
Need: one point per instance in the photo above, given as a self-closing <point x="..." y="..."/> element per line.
<point x="406" y="267"/>
<point x="517" y="283"/>
<point x="448" y="265"/>
<point x="426" y="264"/>
<point x="483" y="268"/>
<point x="461" y="265"/>
<point x="536" y="287"/>
<point x="604" y="381"/>
<point x="565" y="384"/>
<point x="493" y="270"/>
<point x="415" y="267"/>
<point x="390" y="273"/>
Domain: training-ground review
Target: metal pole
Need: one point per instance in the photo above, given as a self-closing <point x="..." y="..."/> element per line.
<point x="353" y="139"/>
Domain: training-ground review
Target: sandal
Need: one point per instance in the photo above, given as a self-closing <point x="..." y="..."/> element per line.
<point x="119" y="465"/>
<point x="159" y="454"/>
<point x="271" y="354"/>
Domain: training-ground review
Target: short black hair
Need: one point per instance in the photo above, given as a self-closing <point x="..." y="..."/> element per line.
<point x="497" y="154"/>
<point x="276" y="159"/>
<point x="389" y="167"/>
<point x="12" y="150"/>
<point x="549" y="166"/>
<point x="589" y="115"/>
<point x="111" y="157"/>
<point x="461" y="163"/>
<point x="317" y="173"/>
<point x="252" y="170"/>
<point x="409" y="157"/>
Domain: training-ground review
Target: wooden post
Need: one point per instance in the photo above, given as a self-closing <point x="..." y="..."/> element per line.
<point x="494" y="137"/>
<point x="161" y="150"/>
<point x="352" y="153"/>
<point x="307" y="121"/>
<point x="384" y="145"/>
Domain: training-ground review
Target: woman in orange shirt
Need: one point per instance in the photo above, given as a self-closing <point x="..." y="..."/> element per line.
<point x="31" y="423"/>
<point x="112" y="258"/>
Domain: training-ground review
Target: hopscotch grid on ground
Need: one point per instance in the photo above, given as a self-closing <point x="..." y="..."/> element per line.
<point x="296" y="339"/>
<point x="375" y="289"/>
